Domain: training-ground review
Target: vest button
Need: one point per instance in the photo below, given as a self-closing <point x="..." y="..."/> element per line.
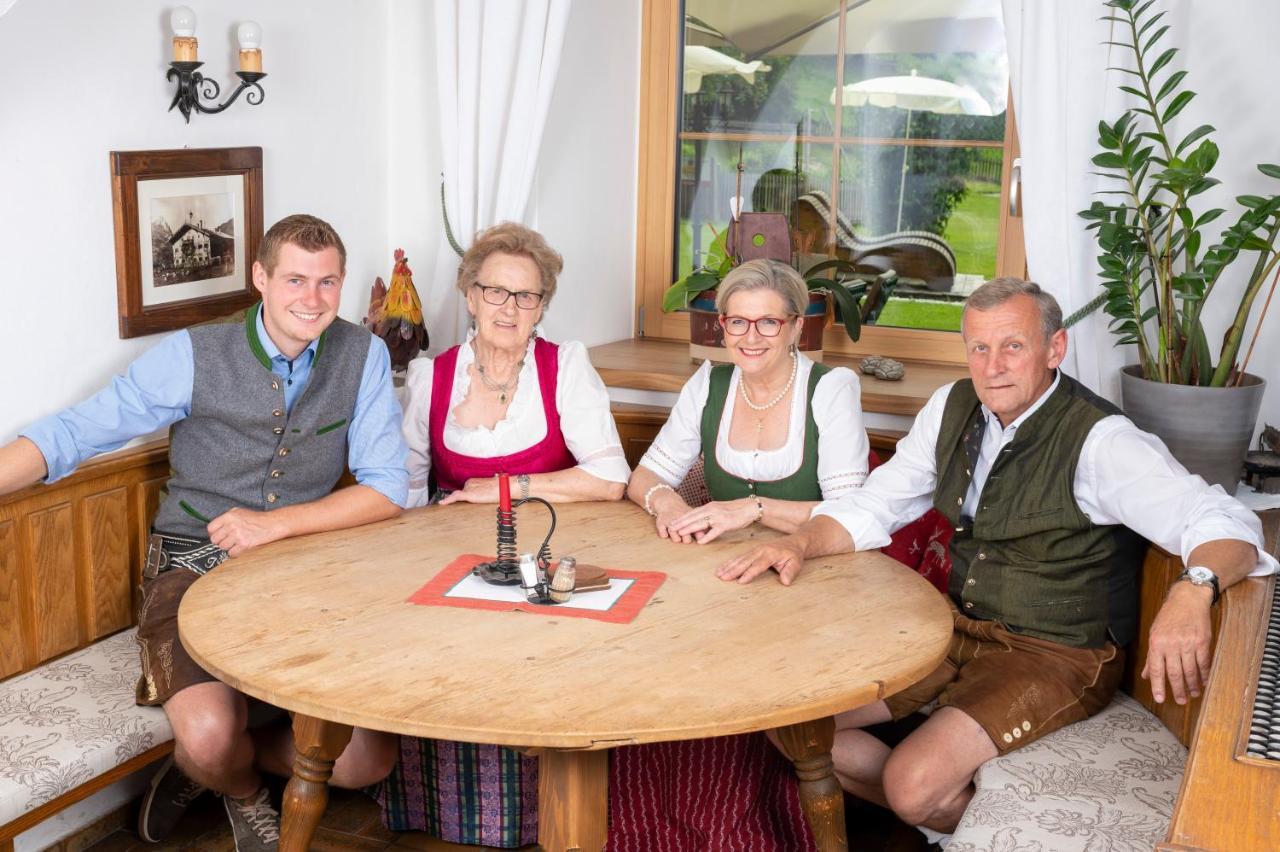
<point x="275" y="385"/>
<point x="971" y="582"/>
<point x="277" y="413"/>
<point x="959" y="501"/>
<point x="284" y="451"/>
<point x="276" y="474"/>
<point x="982" y="555"/>
<point x="279" y="430"/>
<point x="272" y="497"/>
<point x="967" y="604"/>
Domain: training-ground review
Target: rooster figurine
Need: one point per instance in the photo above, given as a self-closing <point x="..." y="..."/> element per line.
<point x="396" y="317"/>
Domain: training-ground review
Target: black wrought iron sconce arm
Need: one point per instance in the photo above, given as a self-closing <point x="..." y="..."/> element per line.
<point x="192" y="87"/>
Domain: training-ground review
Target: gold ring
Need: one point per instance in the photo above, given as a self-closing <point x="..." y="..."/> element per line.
<point x="707" y="518"/>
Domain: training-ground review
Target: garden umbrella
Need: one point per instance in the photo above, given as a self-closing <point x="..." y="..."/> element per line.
<point x="913" y="93"/>
<point x="699" y="61"/>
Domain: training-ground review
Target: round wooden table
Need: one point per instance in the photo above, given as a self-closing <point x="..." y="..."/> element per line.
<point x="320" y="626"/>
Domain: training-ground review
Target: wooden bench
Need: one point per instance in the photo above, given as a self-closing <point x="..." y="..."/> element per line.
<point x="70" y="558"/>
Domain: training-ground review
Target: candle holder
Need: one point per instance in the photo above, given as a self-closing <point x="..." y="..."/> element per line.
<point x="505" y="570"/>
<point x="192" y="87"/>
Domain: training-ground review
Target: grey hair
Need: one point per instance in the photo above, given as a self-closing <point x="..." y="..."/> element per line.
<point x="1000" y="290"/>
<point x="765" y="275"/>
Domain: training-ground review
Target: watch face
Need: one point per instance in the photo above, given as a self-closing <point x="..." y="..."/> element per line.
<point x="1200" y="574"/>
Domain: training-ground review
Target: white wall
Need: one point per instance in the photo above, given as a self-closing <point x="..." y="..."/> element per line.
<point x="80" y="79"/>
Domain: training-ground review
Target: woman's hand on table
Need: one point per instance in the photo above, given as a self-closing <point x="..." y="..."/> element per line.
<point x="476" y="490"/>
<point x="785" y="555"/>
<point x="707" y="522"/>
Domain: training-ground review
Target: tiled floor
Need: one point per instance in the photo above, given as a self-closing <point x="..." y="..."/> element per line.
<point x="352" y="822"/>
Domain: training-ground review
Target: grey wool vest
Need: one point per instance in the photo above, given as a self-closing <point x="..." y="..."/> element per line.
<point x="239" y="447"/>
<point x="1032" y="560"/>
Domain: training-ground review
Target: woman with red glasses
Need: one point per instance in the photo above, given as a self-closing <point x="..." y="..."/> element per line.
<point x="506" y="401"/>
<point x="777" y="432"/>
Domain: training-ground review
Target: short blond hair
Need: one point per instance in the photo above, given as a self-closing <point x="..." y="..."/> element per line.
<point x="765" y="275"/>
<point x="304" y="231"/>
<point x="514" y="239"/>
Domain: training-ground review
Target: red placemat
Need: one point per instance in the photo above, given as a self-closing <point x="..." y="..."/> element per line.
<point x="624" y="609"/>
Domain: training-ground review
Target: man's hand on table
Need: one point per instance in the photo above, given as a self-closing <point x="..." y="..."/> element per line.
<point x="784" y="555"/>
<point x="238" y="530"/>
<point x="1178" y="648"/>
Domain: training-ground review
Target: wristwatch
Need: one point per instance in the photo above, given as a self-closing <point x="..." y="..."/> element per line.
<point x="1198" y="575"/>
<point x="523" y="481"/>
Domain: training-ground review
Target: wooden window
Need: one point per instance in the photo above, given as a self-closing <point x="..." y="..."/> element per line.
<point x="774" y="94"/>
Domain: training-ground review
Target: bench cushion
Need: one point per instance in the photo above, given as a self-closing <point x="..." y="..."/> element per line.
<point x="1105" y="784"/>
<point x="71" y="720"/>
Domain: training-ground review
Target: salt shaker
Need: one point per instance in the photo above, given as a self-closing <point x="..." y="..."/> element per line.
<point x="529" y="577"/>
<point x="563" y="581"/>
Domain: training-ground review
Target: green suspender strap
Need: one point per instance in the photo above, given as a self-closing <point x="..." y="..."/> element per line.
<point x="800" y="485"/>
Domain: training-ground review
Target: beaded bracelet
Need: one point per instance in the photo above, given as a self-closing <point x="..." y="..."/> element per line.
<point x="648" y="494"/>
<point x="759" y="508"/>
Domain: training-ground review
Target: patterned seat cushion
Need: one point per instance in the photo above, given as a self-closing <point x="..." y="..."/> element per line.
<point x="70" y="721"/>
<point x="1106" y="784"/>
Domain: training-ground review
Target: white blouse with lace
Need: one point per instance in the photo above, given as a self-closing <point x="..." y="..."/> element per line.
<point x="837" y="409"/>
<point x="581" y="400"/>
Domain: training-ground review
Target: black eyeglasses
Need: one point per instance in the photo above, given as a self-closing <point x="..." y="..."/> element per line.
<point x="765" y="326"/>
<point x="525" y="299"/>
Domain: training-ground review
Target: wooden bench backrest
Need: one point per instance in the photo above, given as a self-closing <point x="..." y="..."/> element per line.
<point x="71" y="555"/>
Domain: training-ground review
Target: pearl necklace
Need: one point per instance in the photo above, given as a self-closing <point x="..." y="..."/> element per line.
<point x="742" y="385"/>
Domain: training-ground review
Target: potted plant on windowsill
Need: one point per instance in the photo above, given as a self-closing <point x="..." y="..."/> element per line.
<point x="1158" y="268"/>
<point x="696" y="292"/>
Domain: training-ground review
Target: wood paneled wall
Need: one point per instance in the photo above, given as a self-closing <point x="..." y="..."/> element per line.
<point x="71" y="555"/>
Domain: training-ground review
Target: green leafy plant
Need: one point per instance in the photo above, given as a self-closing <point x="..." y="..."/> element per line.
<point x="719" y="262"/>
<point x="1157" y="268"/>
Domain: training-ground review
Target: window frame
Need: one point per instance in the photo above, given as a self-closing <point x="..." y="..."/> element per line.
<point x="659" y="145"/>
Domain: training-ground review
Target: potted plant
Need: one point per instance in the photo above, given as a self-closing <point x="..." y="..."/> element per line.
<point x="696" y="292"/>
<point x="1159" y="267"/>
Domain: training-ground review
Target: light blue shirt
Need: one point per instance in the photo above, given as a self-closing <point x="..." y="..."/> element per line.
<point x="155" y="392"/>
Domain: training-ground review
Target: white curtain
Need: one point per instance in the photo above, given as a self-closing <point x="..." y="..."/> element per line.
<point x="1061" y="90"/>
<point x="496" y="63"/>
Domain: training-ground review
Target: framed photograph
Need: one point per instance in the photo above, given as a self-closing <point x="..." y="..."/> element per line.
<point x="188" y="223"/>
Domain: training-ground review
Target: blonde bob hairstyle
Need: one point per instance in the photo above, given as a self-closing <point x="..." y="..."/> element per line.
<point x="514" y="239"/>
<point x="765" y="275"/>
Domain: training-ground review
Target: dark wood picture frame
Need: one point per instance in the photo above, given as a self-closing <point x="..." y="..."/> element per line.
<point x="129" y="167"/>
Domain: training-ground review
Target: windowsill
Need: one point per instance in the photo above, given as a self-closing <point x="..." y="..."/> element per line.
<point x="665" y="365"/>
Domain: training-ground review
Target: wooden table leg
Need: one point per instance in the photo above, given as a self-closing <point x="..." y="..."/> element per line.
<point x="808" y="745"/>
<point x="317" y="744"/>
<point x="573" y="800"/>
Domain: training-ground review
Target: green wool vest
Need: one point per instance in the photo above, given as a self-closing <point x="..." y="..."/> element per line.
<point x="800" y="485"/>
<point x="1031" y="559"/>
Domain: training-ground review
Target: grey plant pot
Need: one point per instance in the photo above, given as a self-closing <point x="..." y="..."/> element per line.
<point x="1207" y="429"/>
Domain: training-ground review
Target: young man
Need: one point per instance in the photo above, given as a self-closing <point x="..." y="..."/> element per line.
<point x="1050" y="491"/>
<point x="268" y="408"/>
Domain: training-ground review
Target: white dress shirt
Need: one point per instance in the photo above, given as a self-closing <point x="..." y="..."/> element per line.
<point x="837" y="409"/>
<point x="1124" y="476"/>
<point x="581" y="400"/>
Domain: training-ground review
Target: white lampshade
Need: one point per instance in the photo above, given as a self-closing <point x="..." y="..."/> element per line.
<point x="182" y="21"/>
<point x="249" y="34"/>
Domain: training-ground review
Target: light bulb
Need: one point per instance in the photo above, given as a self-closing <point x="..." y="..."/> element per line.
<point x="182" y="21"/>
<point x="249" y="34"/>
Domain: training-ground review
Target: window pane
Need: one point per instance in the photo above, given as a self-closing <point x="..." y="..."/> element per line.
<point x="883" y="148"/>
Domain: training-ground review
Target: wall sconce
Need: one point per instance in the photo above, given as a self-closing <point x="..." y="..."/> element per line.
<point x="192" y="85"/>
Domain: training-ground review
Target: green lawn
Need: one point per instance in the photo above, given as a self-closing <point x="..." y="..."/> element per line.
<point x="921" y="313"/>
<point x="973" y="229"/>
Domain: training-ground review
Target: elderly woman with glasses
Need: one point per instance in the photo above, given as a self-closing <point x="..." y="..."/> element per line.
<point x="505" y="401"/>
<point x="777" y="433"/>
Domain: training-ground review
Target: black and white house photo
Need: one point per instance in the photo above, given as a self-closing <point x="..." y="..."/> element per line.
<point x="192" y="238"/>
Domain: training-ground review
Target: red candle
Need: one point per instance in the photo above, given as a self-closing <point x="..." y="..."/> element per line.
<point x="504" y="492"/>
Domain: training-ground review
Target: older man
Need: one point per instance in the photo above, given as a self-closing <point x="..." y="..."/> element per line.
<point x="1051" y="491"/>
<point x="268" y="409"/>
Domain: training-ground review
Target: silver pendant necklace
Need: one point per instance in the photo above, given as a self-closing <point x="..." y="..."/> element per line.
<point x="503" y="388"/>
